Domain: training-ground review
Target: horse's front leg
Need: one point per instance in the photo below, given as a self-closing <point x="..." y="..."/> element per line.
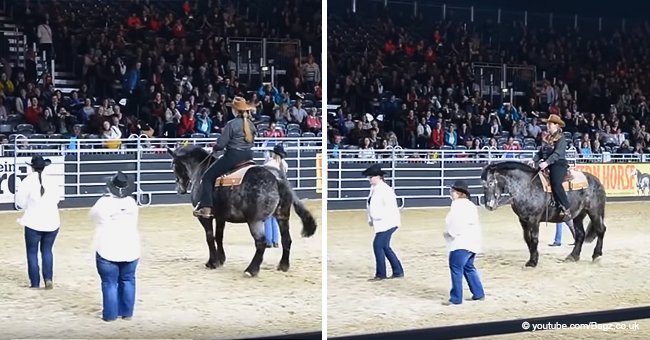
<point x="221" y="253"/>
<point x="531" y="236"/>
<point x="257" y="231"/>
<point x="209" y="238"/>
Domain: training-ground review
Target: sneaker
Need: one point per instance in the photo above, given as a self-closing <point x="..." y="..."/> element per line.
<point x="48" y="284"/>
<point x="203" y="212"/>
<point x="555" y="244"/>
<point x="275" y="245"/>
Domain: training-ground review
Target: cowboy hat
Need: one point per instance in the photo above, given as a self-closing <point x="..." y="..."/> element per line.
<point x="240" y="104"/>
<point x="461" y="186"/>
<point x="279" y="150"/>
<point x="120" y="185"/>
<point x="38" y="162"/>
<point x="554" y="119"/>
<point x="374" y="170"/>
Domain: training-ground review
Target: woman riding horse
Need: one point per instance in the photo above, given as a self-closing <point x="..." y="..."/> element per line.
<point x="237" y="139"/>
<point x="552" y="155"/>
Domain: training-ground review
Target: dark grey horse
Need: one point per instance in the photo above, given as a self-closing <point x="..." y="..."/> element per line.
<point x="264" y="191"/>
<point x="531" y="204"/>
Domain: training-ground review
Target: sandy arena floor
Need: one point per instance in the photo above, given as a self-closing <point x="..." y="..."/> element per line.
<point x="357" y="306"/>
<point x="177" y="297"/>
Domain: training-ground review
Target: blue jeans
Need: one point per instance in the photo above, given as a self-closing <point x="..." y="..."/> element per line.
<point x="272" y="231"/>
<point x="558" y="233"/>
<point x="381" y="247"/>
<point x="34" y="239"/>
<point x="461" y="263"/>
<point x="118" y="287"/>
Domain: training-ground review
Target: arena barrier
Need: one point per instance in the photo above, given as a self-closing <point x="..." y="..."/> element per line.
<point x="82" y="165"/>
<point x="421" y="178"/>
<point x="589" y="320"/>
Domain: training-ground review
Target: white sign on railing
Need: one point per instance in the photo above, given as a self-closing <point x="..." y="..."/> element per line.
<point x="14" y="170"/>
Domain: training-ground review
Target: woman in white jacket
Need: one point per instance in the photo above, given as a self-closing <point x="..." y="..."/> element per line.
<point x="39" y="196"/>
<point x="463" y="237"/>
<point x="271" y="227"/>
<point x="117" y="246"/>
<point x="384" y="218"/>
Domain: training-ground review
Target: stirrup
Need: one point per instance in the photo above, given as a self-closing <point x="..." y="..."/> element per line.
<point x="203" y="212"/>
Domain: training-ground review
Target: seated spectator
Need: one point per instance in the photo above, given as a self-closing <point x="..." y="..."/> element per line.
<point x="187" y="125"/>
<point x="274" y="132"/>
<point x="312" y="123"/>
<point x="423" y="134"/>
<point x="203" y="122"/>
<point x="451" y="137"/>
<point x="437" y="136"/>
<point x="366" y="151"/>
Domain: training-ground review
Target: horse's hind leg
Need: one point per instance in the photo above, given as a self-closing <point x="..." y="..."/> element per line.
<point x="221" y="253"/>
<point x="596" y="228"/>
<point x="257" y="231"/>
<point x="578" y="232"/>
<point x="286" y="243"/>
<point x="209" y="239"/>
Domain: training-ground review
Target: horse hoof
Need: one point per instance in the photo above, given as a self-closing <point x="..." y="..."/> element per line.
<point x="249" y="274"/>
<point x="211" y="265"/>
<point x="596" y="259"/>
<point x="531" y="264"/>
<point x="572" y="258"/>
<point x="283" y="267"/>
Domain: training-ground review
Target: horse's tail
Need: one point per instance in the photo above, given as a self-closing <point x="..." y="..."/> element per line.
<point x="308" y="221"/>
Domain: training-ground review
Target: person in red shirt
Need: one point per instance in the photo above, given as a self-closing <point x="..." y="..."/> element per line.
<point x="134" y="21"/>
<point x="437" y="137"/>
<point x="179" y="30"/>
<point x="186" y="127"/>
<point x="273" y="132"/>
<point x="511" y="145"/>
<point x="33" y="112"/>
<point x="389" y="46"/>
<point x="154" y="23"/>
<point x="312" y="122"/>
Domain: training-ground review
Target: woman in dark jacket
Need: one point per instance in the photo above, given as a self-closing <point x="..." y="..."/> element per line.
<point x="552" y="155"/>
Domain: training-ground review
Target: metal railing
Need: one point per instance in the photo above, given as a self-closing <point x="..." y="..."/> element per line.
<point x="425" y="174"/>
<point x="87" y="162"/>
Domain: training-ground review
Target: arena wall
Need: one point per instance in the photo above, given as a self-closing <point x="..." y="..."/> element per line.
<point x="82" y="170"/>
<point x="423" y="180"/>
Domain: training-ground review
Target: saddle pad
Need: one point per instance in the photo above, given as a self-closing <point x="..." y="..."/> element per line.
<point x="234" y="178"/>
<point x="578" y="181"/>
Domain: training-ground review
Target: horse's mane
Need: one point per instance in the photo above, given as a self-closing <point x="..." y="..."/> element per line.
<point x="506" y="166"/>
<point x="192" y="152"/>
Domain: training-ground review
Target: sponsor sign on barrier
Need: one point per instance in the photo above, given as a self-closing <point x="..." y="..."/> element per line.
<point x="14" y="170"/>
<point x="319" y="173"/>
<point x="622" y="179"/>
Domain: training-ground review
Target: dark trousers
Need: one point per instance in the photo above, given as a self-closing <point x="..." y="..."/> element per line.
<point x="219" y="168"/>
<point x="118" y="287"/>
<point x="383" y="251"/>
<point x="34" y="239"/>
<point x="557" y="173"/>
<point x="461" y="264"/>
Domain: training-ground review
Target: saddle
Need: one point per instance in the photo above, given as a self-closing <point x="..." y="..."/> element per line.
<point x="235" y="175"/>
<point x="574" y="180"/>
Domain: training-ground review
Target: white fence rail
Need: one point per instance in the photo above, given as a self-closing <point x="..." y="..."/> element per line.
<point x="83" y="164"/>
<point x="426" y="174"/>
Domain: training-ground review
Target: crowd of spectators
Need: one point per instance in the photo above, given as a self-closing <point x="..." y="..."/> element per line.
<point x="162" y="69"/>
<point x="408" y="81"/>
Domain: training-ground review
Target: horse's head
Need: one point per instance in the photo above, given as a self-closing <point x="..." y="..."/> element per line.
<point x="492" y="189"/>
<point x="181" y="172"/>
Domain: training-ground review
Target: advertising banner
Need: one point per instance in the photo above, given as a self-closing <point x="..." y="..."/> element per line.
<point x="622" y="179"/>
<point x="14" y="170"/>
